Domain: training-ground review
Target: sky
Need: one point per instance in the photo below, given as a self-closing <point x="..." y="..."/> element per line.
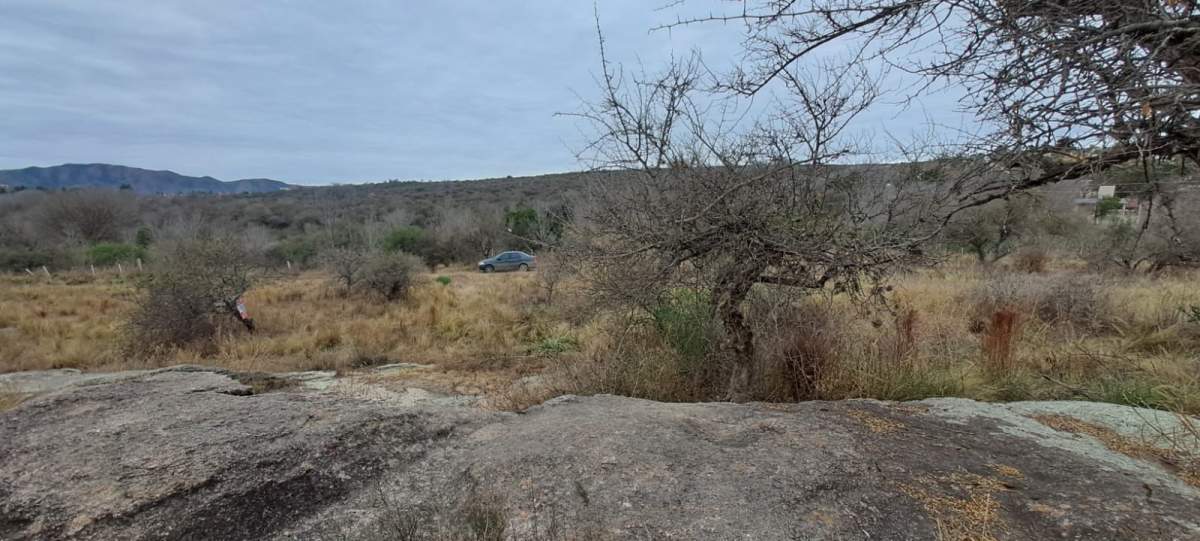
<point x="318" y="92"/>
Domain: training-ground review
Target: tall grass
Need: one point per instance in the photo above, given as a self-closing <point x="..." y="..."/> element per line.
<point x="948" y="331"/>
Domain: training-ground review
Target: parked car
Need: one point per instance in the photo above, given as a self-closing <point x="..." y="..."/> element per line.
<point x="508" y="261"/>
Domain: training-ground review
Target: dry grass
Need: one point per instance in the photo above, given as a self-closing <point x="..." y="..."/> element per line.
<point x="1123" y="340"/>
<point x="481" y="331"/>
<point x="10" y="400"/>
<point x="1179" y="459"/>
<point x="963" y="505"/>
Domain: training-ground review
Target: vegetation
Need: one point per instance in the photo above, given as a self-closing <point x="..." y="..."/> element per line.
<point x="192" y="286"/>
<point x="1074" y="334"/>
<point x="705" y="260"/>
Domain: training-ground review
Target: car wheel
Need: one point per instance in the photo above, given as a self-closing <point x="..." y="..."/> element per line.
<point x="524" y="267"/>
<point x="488" y="268"/>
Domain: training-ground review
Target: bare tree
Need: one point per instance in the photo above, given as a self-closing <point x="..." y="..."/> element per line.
<point x="1070" y="87"/>
<point x="711" y="204"/>
<point x="991" y="232"/>
<point x="346" y="263"/>
<point x="87" y="215"/>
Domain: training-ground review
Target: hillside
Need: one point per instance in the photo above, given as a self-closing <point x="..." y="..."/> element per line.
<point x="143" y="181"/>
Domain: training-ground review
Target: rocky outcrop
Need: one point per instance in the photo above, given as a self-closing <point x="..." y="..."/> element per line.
<point x="192" y="454"/>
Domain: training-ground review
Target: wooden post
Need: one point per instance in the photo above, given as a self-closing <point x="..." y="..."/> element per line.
<point x="29" y="271"/>
<point x="120" y="269"/>
<point x="93" y="270"/>
<point x="139" y="264"/>
<point x="289" y="264"/>
<point x="45" y="270"/>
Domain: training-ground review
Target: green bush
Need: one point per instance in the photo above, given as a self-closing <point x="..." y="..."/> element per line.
<point x="684" y="318"/>
<point x="444" y="280"/>
<point x="299" y="250"/>
<point x="556" y="345"/>
<point x="410" y="238"/>
<point x="111" y="253"/>
<point x="19" y="259"/>
<point x="144" y="237"/>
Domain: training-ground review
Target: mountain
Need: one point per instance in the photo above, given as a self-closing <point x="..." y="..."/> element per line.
<point x="143" y="181"/>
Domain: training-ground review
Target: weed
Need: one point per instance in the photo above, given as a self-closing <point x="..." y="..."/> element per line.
<point x="556" y="345"/>
<point x="444" y="280"/>
<point x="684" y="318"/>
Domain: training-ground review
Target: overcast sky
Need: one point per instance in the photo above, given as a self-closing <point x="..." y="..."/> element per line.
<point x="315" y="92"/>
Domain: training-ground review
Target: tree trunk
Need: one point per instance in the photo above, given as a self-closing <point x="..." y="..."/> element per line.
<point x="738" y="340"/>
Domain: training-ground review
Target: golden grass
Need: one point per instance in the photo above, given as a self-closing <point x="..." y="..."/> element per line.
<point x="479" y="330"/>
<point x="963" y="505"/>
<point x="482" y="332"/>
<point x="1178" y="460"/>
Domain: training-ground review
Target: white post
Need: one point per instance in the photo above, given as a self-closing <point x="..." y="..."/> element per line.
<point x="139" y="264"/>
<point x="29" y="271"/>
<point x="289" y="264"/>
<point x="93" y="270"/>
<point x="45" y="270"/>
<point x="120" y="269"/>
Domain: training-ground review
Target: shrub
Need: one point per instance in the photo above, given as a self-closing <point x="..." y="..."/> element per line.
<point x="144" y="237"/>
<point x="299" y="250"/>
<point x="192" y="285"/>
<point x="388" y="276"/>
<point x="684" y="318"/>
<point x="19" y="259"/>
<point x="1060" y="299"/>
<point x="1031" y="260"/>
<point x="346" y="263"/>
<point x="444" y="280"/>
<point x="556" y="345"/>
<point x="109" y="253"/>
<point x="806" y="348"/>
<point x="410" y="239"/>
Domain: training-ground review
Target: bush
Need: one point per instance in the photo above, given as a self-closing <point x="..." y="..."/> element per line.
<point x="1065" y="299"/>
<point x="388" y="276"/>
<point x="685" y="319"/>
<point x="301" y="251"/>
<point x="410" y="239"/>
<point x="444" y="280"/>
<point x="346" y="264"/>
<point x="19" y="259"/>
<point x="1032" y="260"/>
<point x="190" y="288"/>
<point x="110" y="253"/>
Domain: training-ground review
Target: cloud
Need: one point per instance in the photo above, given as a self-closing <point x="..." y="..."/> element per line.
<point x="314" y="91"/>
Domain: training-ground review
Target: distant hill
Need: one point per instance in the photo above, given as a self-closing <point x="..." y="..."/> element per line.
<point x="144" y="181"/>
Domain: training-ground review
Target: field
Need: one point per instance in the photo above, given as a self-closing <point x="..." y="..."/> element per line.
<point x="1073" y="335"/>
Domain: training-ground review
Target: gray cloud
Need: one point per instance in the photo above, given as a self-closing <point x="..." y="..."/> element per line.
<point x="320" y="91"/>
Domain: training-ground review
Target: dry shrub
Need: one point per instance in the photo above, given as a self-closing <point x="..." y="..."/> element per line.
<point x="388" y="276"/>
<point x="803" y="344"/>
<point x="191" y="290"/>
<point x="1031" y="260"/>
<point x="642" y="366"/>
<point x="1065" y="299"/>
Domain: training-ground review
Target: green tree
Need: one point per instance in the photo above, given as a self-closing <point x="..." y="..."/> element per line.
<point x="144" y="237"/>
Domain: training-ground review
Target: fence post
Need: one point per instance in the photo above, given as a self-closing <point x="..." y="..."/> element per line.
<point x="120" y="269"/>
<point x="93" y="270"/>
<point x="29" y="271"/>
<point x="289" y="264"/>
<point x="139" y="264"/>
<point x="45" y="270"/>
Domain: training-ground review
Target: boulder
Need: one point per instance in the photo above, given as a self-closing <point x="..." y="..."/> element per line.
<point x="195" y="455"/>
